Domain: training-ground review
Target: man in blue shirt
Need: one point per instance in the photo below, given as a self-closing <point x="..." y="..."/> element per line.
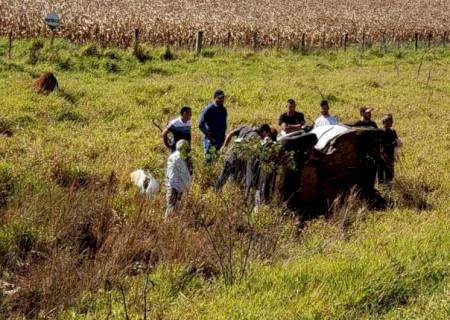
<point x="213" y="124"/>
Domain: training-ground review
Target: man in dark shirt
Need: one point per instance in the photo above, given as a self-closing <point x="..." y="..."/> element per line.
<point x="213" y="124"/>
<point x="388" y="144"/>
<point x="233" y="164"/>
<point x="291" y="120"/>
<point x="366" y="118"/>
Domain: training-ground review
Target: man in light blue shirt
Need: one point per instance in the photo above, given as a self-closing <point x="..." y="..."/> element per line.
<point x="325" y="119"/>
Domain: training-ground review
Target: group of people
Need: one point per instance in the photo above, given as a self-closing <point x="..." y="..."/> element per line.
<point x="213" y="125"/>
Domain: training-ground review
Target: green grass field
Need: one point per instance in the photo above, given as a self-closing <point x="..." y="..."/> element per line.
<point x="390" y="265"/>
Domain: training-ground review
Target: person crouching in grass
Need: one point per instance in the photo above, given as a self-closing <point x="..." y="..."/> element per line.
<point x="389" y="143"/>
<point x="178" y="176"/>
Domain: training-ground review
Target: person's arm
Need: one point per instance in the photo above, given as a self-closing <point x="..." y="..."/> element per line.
<point x="203" y="125"/>
<point x="165" y="135"/>
<point x="232" y="134"/>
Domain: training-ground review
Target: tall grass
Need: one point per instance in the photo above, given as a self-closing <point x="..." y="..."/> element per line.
<point x="77" y="241"/>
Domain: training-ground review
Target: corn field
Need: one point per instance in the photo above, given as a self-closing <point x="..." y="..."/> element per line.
<point x="255" y="23"/>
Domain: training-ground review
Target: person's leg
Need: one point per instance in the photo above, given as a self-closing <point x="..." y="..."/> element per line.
<point x="226" y="172"/>
<point x="210" y="151"/>
<point x="171" y="201"/>
<point x="389" y="173"/>
<point x="381" y="173"/>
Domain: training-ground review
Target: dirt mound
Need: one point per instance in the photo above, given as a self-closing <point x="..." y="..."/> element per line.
<point x="46" y="83"/>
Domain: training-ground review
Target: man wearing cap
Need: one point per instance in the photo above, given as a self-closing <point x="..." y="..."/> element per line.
<point x="213" y="124"/>
<point x="326" y="118"/>
<point x="179" y="127"/>
<point x="366" y="118"/>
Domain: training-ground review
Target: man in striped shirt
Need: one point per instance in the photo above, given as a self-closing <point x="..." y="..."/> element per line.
<point x="180" y="128"/>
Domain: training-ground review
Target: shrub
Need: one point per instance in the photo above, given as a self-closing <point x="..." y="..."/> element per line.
<point x="6" y="127"/>
<point x="167" y="54"/>
<point x="111" y="67"/>
<point x="36" y="47"/>
<point x="90" y="50"/>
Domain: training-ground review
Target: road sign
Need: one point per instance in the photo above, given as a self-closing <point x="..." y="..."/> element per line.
<point x="52" y="20"/>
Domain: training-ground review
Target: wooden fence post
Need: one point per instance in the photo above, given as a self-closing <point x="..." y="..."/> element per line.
<point x="199" y="42"/>
<point x="444" y="39"/>
<point x="345" y="41"/>
<point x="10" y="40"/>
<point x="416" y="41"/>
<point x="229" y="39"/>
<point x="430" y="36"/>
<point x="136" y="41"/>
<point x="52" y="38"/>
<point x="303" y="43"/>
<point x="255" y="40"/>
<point x="363" y="41"/>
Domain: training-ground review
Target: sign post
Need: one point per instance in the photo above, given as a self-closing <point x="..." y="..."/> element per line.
<point x="53" y="22"/>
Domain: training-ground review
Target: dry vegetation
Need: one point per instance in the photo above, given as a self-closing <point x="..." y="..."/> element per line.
<point x="276" y="23"/>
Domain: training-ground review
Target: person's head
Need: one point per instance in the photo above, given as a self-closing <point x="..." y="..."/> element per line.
<point x="291" y="105"/>
<point x="183" y="147"/>
<point x="264" y="131"/>
<point x="186" y="113"/>
<point x="387" y="121"/>
<point x="324" y="108"/>
<point x="219" y="97"/>
<point x="273" y="134"/>
<point x="366" y="113"/>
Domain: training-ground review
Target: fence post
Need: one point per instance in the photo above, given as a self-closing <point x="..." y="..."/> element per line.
<point x="255" y="40"/>
<point x="364" y="41"/>
<point x="444" y="39"/>
<point x="278" y="39"/>
<point x="345" y="41"/>
<point x="199" y="42"/>
<point x="303" y="43"/>
<point x="416" y="41"/>
<point x="52" y="38"/>
<point x="229" y="39"/>
<point x="10" y="40"/>
<point x="430" y="36"/>
<point x="136" y="41"/>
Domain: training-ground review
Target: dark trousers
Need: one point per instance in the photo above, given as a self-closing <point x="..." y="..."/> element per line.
<point x="385" y="172"/>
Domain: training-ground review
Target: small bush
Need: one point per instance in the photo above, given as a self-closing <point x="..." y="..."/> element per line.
<point x="65" y="64"/>
<point x="111" y="54"/>
<point x="90" y="50"/>
<point x="167" y="54"/>
<point x="36" y="47"/>
<point x="208" y="53"/>
<point x="6" y="127"/>
<point x="141" y="54"/>
<point x="111" y="67"/>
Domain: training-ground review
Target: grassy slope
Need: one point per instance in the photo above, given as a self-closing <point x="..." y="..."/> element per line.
<point x="393" y="265"/>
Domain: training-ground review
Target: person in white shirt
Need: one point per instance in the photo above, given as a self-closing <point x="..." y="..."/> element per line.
<point x="325" y="119"/>
<point x="178" y="176"/>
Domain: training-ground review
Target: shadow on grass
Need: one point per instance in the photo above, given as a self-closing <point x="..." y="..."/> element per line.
<point x="410" y="194"/>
